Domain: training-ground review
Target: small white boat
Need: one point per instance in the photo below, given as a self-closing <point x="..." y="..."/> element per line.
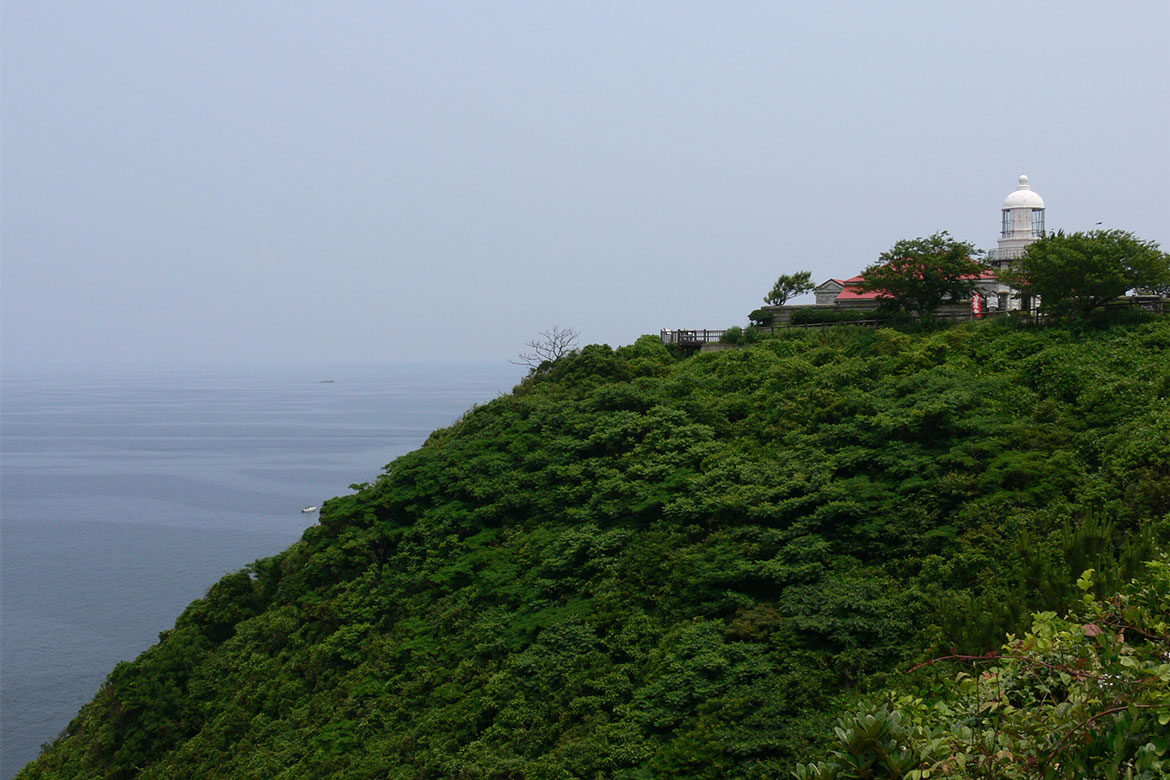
<point x="308" y="509"/>
<point x="325" y="382"/>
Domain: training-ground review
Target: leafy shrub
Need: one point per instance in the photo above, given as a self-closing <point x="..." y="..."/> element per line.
<point x="1084" y="696"/>
<point x="762" y="317"/>
<point x="733" y="335"/>
<point x="813" y="315"/>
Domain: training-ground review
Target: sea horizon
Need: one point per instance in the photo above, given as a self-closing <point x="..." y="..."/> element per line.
<point x="126" y="493"/>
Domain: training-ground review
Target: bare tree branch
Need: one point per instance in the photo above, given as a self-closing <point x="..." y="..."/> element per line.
<point x="553" y="344"/>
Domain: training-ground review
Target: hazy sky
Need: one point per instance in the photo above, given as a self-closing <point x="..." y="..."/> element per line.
<point x="289" y="182"/>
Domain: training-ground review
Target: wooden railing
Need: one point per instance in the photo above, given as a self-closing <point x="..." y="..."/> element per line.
<point x="690" y="337"/>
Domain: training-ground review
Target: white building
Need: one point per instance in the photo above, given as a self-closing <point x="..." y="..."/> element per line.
<point x="1022" y="223"/>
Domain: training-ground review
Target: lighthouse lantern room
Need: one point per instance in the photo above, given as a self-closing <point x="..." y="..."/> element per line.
<point x="1023" y="222"/>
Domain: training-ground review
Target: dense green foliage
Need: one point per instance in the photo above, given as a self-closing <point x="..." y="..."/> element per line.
<point x="789" y="286"/>
<point x="1076" y="273"/>
<point x="1086" y="696"/>
<point x="636" y="566"/>
<point x="733" y="335"/>
<point x="814" y="315"/>
<point x="763" y="317"/>
<point x="748" y="335"/>
<point x="917" y="275"/>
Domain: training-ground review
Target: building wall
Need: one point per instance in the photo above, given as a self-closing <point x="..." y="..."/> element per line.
<point x="827" y="293"/>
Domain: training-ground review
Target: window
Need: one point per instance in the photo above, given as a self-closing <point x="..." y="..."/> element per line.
<point x="1038" y="222"/>
<point x="1007" y="224"/>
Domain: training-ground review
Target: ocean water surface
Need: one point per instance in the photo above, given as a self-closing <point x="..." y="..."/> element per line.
<point x="123" y="498"/>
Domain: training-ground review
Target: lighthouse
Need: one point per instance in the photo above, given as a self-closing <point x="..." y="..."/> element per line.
<point x="1022" y="223"/>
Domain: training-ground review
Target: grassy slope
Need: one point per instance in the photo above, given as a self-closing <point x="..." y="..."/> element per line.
<point x="634" y="567"/>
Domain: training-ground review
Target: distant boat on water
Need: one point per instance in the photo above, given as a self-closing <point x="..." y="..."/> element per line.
<point x="326" y="382"/>
<point x="308" y="509"/>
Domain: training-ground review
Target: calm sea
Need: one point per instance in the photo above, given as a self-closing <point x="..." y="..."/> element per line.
<point x="123" y="498"/>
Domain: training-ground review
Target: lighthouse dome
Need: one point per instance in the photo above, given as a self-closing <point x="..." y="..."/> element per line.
<point x="1023" y="197"/>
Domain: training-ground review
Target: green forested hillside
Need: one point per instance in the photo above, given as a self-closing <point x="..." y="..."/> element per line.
<point x="638" y="566"/>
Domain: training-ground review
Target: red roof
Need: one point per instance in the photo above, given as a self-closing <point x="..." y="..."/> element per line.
<point x="851" y="293"/>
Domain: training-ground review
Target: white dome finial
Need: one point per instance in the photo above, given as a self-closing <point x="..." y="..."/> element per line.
<point x="1023" y="196"/>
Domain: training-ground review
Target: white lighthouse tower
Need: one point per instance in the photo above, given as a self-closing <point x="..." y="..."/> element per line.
<point x="1023" y="223"/>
